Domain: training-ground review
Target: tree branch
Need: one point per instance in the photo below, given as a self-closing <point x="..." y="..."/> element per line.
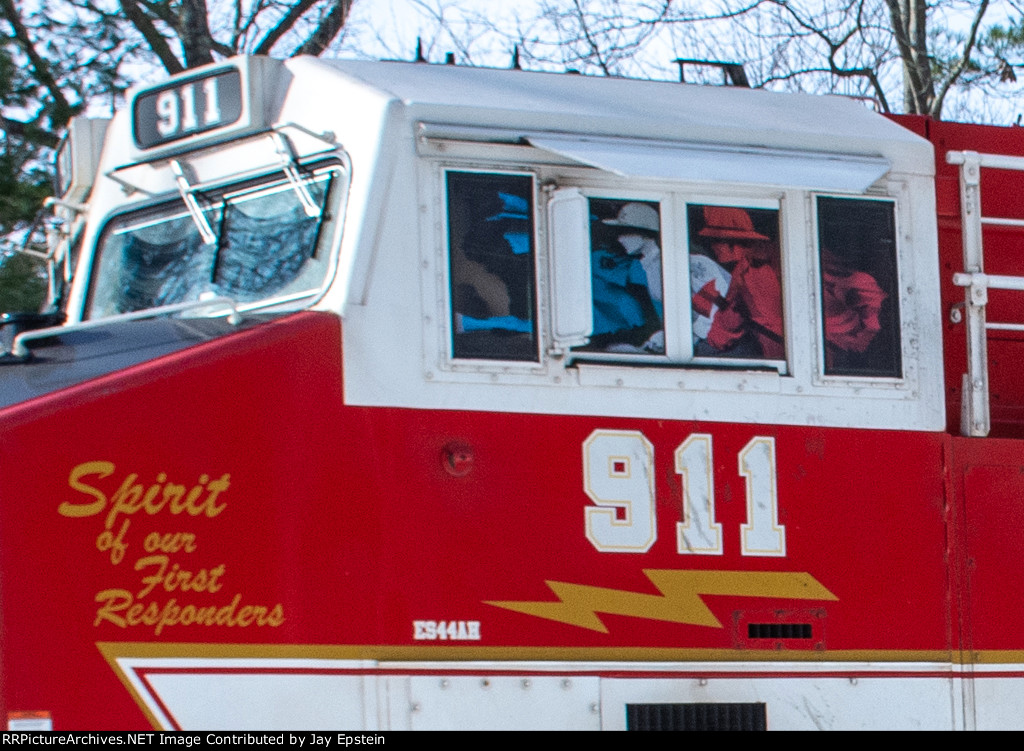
<point x="916" y="78"/>
<point x="29" y="132"/>
<point x="595" y="50"/>
<point x="152" y="35"/>
<point x="196" y="41"/>
<point x="283" y="26"/>
<point x="961" y="65"/>
<point x="835" y="46"/>
<point x="62" y="110"/>
<point x="161" y="10"/>
<point x="329" y="27"/>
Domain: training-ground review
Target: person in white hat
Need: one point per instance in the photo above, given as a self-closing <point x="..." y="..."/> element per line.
<point x="627" y="288"/>
<point x="643" y="243"/>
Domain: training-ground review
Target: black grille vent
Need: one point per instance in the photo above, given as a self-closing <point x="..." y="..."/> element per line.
<point x="778" y="630"/>
<point x="696" y="717"/>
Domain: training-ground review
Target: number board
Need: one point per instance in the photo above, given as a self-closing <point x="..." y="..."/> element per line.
<point x="188" y="107"/>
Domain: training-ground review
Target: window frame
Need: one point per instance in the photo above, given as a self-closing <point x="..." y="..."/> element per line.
<point x="669" y="276"/>
<point x="821" y="377"/>
<point x="327" y="240"/>
<point x="442" y="259"/>
<point x="776" y="204"/>
<point x="673" y="201"/>
<point x="800" y="373"/>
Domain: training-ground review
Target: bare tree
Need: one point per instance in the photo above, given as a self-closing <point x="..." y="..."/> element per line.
<point x="72" y="50"/>
<point x="905" y="55"/>
<point x="862" y="39"/>
<point x="63" y="57"/>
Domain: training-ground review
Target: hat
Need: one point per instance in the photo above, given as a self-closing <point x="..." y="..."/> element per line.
<point x="637" y="215"/>
<point x="729" y="223"/>
<point x="512" y="207"/>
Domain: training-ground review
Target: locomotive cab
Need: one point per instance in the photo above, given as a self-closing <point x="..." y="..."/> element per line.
<point x="397" y="395"/>
<point x="683" y="261"/>
<point x="215" y="197"/>
<point x="475" y="222"/>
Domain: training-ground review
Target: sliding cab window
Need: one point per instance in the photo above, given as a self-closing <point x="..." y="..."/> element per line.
<point x="735" y="275"/>
<point x="254" y="242"/>
<point x="491" y="272"/>
<point x="626" y="277"/>
<point x="711" y="294"/>
<point x="859" y="288"/>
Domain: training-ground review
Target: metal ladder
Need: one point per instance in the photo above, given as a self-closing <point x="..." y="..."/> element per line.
<point x="975" y="419"/>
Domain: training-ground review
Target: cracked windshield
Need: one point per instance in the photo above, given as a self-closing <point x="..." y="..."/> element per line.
<point x="252" y="244"/>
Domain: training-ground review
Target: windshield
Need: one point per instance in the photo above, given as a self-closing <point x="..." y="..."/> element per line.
<point x="265" y="246"/>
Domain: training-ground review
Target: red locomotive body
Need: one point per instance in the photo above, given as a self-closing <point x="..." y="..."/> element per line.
<point x="428" y="482"/>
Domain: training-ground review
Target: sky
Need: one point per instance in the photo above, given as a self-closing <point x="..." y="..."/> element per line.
<point x="389" y="28"/>
<point x="399" y="22"/>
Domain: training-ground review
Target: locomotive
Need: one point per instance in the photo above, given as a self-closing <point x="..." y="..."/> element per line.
<point x="387" y="395"/>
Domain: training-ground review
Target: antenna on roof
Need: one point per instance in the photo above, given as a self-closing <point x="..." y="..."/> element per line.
<point x="419" y="51"/>
<point x="733" y="72"/>
<point x="515" y="58"/>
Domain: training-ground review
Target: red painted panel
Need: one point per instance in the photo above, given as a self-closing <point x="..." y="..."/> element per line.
<point x="1000" y="191"/>
<point x="988" y="478"/>
<point x="256" y="415"/>
<point x="346" y="525"/>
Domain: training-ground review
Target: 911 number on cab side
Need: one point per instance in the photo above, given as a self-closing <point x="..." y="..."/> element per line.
<point x="618" y="476"/>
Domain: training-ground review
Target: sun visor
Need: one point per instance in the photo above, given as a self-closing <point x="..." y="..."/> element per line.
<point x="667" y="160"/>
<point x="278" y="148"/>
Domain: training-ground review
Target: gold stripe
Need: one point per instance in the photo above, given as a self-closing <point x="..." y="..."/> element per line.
<point x="392" y="653"/>
<point x="995" y="657"/>
<point x="111" y="651"/>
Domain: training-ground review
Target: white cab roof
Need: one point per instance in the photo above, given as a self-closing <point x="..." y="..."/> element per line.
<point x="600" y="106"/>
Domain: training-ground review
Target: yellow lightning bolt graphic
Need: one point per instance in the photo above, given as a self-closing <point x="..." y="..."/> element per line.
<point x="680" y="600"/>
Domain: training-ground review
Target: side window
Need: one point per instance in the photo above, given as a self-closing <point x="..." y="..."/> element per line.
<point x="859" y="293"/>
<point x="735" y="287"/>
<point x="491" y="251"/>
<point x="626" y="277"/>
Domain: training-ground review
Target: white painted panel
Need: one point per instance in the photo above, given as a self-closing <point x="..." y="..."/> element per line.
<point x="815" y="703"/>
<point x="261" y="701"/>
<point x="504" y="703"/>
<point x="998" y="701"/>
<point x="302" y="694"/>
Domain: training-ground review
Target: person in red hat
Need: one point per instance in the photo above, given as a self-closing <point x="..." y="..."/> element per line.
<point x="852" y="304"/>
<point x="745" y="321"/>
